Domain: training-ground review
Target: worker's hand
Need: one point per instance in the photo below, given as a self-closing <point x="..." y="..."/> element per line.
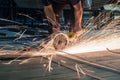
<point x="55" y="29"/>
<point x="118" y="1"/>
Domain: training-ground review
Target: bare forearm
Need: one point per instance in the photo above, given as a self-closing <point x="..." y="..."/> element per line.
<point x="78" y="18"/>
<point x="78" y="12"/>
<point x="50" y="14"/>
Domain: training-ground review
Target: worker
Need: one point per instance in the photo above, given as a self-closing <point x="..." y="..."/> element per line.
<point x="53" y="8"/>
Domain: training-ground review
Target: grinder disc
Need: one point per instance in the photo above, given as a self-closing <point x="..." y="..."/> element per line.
<point x="60" y="41"/>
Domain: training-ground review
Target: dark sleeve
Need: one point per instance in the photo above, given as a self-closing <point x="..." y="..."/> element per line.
<point x="73" y="2"/>
<point x="45" y="2"/>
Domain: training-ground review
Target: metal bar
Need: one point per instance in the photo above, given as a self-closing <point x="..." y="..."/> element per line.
<point x="82" y="60"/>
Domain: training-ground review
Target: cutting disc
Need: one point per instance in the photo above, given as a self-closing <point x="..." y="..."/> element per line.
<point x="60" y="41"/>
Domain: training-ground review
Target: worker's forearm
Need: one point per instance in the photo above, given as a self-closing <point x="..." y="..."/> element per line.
<point x="50" y="14"/>
<point x="78" y="12"/>
<point x="78" y="18"/>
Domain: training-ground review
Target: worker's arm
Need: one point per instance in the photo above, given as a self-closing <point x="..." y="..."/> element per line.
<point x="50" y="14"/>
<point x="78" y="14"/>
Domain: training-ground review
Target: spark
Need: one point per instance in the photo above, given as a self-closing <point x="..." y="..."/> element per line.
<point x="20" y="35"/>
<point x="28" y="16"/>
<point x="25" y="61"/>
<point x="97" y="40"/>
<point x="79" y="70"/>
<point x="16" y="58"/>
<point x="2" y="19"/>
<point x="111" y="42"/>
<point x="49" y="64"/>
